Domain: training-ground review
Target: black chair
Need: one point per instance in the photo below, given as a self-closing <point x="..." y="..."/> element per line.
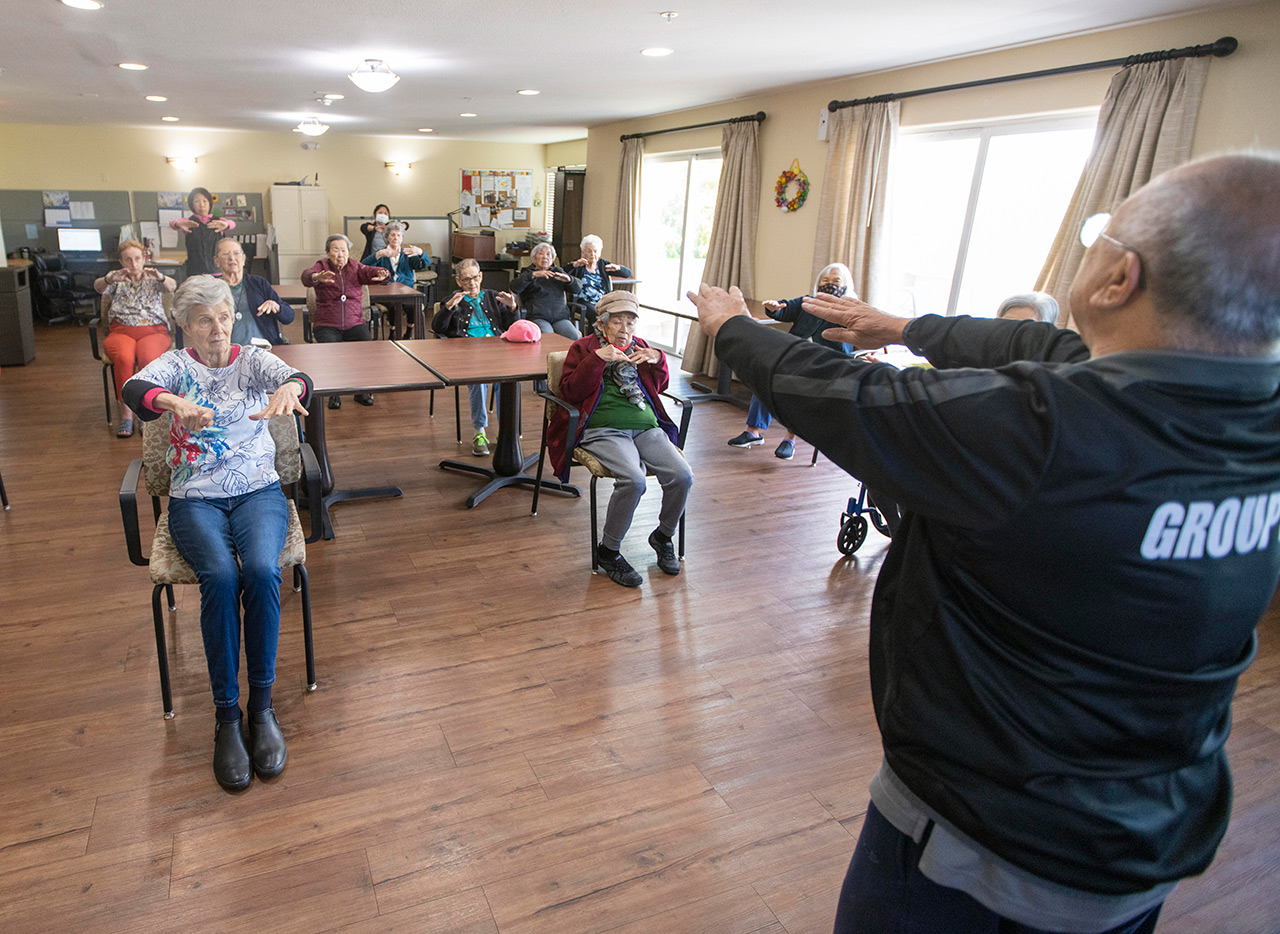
<point x="372" y="315"/>
<point x="550" y="391"/>
<point x="57" y="297"/>
<point x="295" y="462"/>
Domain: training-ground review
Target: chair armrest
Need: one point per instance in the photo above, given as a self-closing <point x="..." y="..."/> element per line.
<point x="129" y="512"/>
<point x="574" y="413"/>
<point x="686" y="410"/>
<point x="315" y="497"/>
<point x="93" y="337"/>
<point x="306" y="326"/>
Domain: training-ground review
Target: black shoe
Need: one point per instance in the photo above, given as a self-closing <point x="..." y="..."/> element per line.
<point x="667" y="560"/>
<point x="364" y="398"/>
<point x="269" y="753"/>
<point x="746" y="440"/>
<point x="230" y="757"/>
<point x="335" y="402"/>
<point x="619" y="570"/>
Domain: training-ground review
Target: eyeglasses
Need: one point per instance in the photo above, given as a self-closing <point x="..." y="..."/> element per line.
<point x="1094" y="229"/>
<point x="470" y="278"/>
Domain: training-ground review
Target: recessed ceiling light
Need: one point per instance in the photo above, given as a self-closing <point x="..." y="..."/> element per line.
<point x="83" y="4"/>
<point x="466" y="115"/>
<point x="169" y="119"/>
<point x="335" y="97"/>
<point x="528" y="92"/>
<point x="656" y="52"/>
<point x="426" y="129"/>
<point x="157" y="98"/>
<point x="132" y="66"/>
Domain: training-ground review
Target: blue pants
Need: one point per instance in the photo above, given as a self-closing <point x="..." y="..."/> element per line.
<point x="210" y="534"/>
<point x="565" y="327"/>
<point x="886" y="893"/>
<point x="758" y="417"/>
<point x="479" y="395"/>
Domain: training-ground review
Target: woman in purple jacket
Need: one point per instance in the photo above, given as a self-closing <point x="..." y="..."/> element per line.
<point x="337" y="280"/>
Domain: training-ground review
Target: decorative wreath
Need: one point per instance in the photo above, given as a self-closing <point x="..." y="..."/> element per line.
<point x="792" y="174"/>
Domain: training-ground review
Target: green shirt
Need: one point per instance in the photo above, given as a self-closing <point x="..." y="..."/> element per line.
<point x="616" y="411"/>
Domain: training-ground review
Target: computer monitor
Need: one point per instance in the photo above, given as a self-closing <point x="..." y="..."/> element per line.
<point x="79" y="240"/>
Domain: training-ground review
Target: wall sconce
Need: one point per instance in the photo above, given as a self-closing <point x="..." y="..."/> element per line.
<point x="182" y="163"/>
<point x="398" y="168"/>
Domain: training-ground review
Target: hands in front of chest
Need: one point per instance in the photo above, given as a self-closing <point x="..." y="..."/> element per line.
<point x="505" y="297"/>
<point x="858" y="323"/>
<point x="609" y="353"/>
<point x="551" y="274"/>
<point x="284" y="401"/>
<point x="324" y="276"/>
<point x="192" y="417"/>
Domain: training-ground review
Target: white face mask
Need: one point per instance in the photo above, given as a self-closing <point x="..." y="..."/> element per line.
<point x="381" y="218"/>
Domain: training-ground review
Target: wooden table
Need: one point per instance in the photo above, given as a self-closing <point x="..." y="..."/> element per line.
<point x="347" y="368"/>
<point x="395" y="294"/>
<point x="471" y="360"/>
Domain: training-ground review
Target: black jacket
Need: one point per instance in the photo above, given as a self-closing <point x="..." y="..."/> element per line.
<point x="1086" y="547"/>
<point x="579" y="271"/>
<point x="453" y="322"/>
<point x="543" y="297"/>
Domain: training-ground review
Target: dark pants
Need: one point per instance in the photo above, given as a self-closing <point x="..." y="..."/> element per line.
<point x="886" y="893"/>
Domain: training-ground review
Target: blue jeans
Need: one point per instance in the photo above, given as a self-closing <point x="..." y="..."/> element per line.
<point x="566" y="328"/>
<point x="886" y="893"/>
<point x="210" y="534"/>
<point x="479" y="395"/>
<point x="758" y="417"/>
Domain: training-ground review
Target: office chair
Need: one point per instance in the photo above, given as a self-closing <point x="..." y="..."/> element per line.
<point x="57" y="297"/>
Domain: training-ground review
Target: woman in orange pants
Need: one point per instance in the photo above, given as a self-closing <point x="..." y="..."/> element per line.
<point x="139" y="330"/>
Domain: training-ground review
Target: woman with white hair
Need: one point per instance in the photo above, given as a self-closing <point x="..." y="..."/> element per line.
<point x="835" y="279"/>
<point x="227" y="514"/>
<point x="1029" y="306"/>
<point x="543" y="288"/>
<point x="400" y="258"/>
<point x="593" y="273"/>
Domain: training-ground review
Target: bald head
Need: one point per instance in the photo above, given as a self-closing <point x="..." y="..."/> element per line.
<point x="1208" y="234"/>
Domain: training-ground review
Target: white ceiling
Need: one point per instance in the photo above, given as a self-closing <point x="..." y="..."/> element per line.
<point x="260" y="64"/>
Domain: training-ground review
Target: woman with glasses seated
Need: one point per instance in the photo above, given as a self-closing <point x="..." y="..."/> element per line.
<point x="615" y="379"/>
<point x="475" y="312"/>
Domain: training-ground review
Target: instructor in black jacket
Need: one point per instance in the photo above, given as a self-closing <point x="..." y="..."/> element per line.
<point x="1088" y="539"/>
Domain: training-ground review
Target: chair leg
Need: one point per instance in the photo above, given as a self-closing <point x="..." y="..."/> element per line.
<point x="173" y="604"/>
<point x="595" y="538"/>
<point x="431" y="406"/>
<point x="815" y="457"/>
<point x="4" y="499"/>
<point x="681" y="535"/>
<point x="457" y="412"/>
<point x="297" y="578"/>
<point x="162" y="651"/>
<point x="300" y="572"/>
<point x="108" y="377"/>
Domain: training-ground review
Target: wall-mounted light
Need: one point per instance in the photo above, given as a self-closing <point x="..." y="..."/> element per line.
<point x="373" y="76"/>
<point x="312" y="127"/>
<point x="182" y="163"/>
<point x="398" y="168"/>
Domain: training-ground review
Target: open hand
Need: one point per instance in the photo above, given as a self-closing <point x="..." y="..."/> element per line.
<point x="192" y="417"/>
<point x="218" y="225"/>
<point x="858" y="323"/>
<point x="453" y="300"/>
<point x="268" y="307"/>
<point x="284" y="401"/>
<point x="716" y="306"/>
<point x="324" y="276"/>
<point x="774" y="306"/>
<point x="381" y="275"/>
<point x="645" y="355"/>
<point x="150" y="272"/>
<point x="507" y="299"/>
<point x="579" y="261"/>
<point x="611" y="267"/>
<point x="609" y="353"/>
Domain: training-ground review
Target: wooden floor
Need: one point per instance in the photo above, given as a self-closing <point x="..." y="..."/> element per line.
<point x="500" y="740"/>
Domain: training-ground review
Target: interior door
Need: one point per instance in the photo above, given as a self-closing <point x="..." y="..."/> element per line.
<point x="566" y="234"/>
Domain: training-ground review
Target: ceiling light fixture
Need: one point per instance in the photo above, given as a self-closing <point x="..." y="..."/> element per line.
<point x="426" y="129"/>
<point x="335" y="97"/>
<point x="668" y="15"/>
<point x="83" y="4"/>
<point x="182" y="163"/>
<point x="528" y="92"/>
<point x="132" y="66"/>
<point x="312" y="127"/>
<point x="156" y="98"/>
<point x="373" y="76"/>
<point x="398" y="168"/>
<point x="656" y="52"/>
<point x="169" y="119"/>
<point x="466" y="115"/>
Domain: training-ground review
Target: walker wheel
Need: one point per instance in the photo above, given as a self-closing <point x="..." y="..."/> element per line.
<point x="853" y="532"/>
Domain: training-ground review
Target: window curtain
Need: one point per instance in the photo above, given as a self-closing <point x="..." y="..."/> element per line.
<point x="732" y="246"/>
<point x="851" y="214"/>
<point x="625" y="218"/>
<point x="1145" y="127"/>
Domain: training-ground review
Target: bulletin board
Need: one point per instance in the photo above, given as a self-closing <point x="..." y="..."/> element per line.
<point x="495" y="198"/>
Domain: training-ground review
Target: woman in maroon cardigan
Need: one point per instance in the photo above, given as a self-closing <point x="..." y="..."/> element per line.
<point x="337" y="280"/>
<point x="615" y="379"/>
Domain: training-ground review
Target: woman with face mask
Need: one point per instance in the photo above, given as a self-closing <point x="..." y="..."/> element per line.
<point x="834" y="279"/>
<point x="375" y="231"/>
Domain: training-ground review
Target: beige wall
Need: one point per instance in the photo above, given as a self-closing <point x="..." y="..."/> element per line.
<point x="571" y="152"/>
<point x="1238" y="110"/>
<point x="349" y="167"/>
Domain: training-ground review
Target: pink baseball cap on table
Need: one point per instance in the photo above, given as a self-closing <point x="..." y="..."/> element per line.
<point x="524" y="332"/>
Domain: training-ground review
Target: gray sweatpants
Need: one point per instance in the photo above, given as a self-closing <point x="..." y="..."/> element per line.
<point x="626" y="453"/>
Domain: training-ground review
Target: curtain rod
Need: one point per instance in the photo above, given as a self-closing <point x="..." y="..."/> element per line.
<point x="757" y="117"/>
<point x="1220" y="49"/>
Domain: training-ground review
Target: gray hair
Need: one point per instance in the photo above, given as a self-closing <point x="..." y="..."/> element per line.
<point x="1207" y="237"/>
<point x="465" y="264"/>
<point x="394" y="225"/>
<point x="332" y="237"/>
<point x="850" y="291"/>
<point x="200" y="292"/>
<point x="592" y="238"/>
<point x="1042" y="303"/>
<point x="224" y="240"/>
<point x="544" y="245"/>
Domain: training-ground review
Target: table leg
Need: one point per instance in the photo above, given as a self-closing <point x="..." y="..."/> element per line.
<point x="723" y="391"/>
<point x="509" y="463"/>
<point x="316" y="438"/>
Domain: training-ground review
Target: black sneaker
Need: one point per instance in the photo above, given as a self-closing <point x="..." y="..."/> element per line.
<point x="619" y="570"/>
<point x="667" y="560"/>
<point x="746" y="440"/>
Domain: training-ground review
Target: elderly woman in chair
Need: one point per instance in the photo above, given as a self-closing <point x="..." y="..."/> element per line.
<point x="227" y="514"/>
<point x="615" y="378"/>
